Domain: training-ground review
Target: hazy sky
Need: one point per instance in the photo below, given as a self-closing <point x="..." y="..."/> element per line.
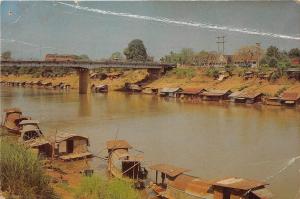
<point x="32" y="29"/>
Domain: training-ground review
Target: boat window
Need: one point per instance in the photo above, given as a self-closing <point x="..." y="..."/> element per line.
<point x="31" y="135"/>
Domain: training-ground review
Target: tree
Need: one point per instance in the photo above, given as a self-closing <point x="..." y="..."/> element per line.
<point x="295" y="52"/>
<point x="273" y="62"/>
<point x="136" y="51"/>
<point x="247" y="54"/>
<point x="273" y="51"/>
<point x="83" y="57"/>
<point x="6" y="55"/>
<point x="116" y="56"/>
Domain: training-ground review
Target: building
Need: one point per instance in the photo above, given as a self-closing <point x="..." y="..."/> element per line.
<point x="295" y="61"/>
<point x="170" y="92"/>
<point x="191" y="94"/>
<point x="71" y="146"/>
<point x="290" y="98"/>
<point x="215" y="95"/>
<point x="249" y="97"/>
<point x="293" y="73"/>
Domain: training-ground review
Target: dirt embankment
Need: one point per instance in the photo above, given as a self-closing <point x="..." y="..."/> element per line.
<point x="199" y="80"/>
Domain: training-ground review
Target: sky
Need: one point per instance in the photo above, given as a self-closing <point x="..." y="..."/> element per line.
<point x="32" y="29"/>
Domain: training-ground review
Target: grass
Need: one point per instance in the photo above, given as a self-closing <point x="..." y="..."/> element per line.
<point x="188" y="72"/>
<point x="96" y="187"/>
<point x="22" y="173"/>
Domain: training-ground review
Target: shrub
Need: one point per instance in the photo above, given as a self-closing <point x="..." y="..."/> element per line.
<point x="183" y="72"/>
<point x="212" y="72"/>
<point x="95" y="187"/>
<point x="22" y="173"/>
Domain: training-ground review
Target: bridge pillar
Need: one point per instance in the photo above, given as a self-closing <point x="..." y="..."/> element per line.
<point x="83" y="80"/>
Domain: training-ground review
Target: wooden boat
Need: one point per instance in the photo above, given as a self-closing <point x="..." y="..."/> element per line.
<point x="176" y="184"/>
<point x="71" y="147"/>
<point x="12" y="119"/>
<point x="30" y="130"/>
<point x="124" y="165"/>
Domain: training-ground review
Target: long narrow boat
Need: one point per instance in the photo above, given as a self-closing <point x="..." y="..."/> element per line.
<point x="124" y="165"/>
<point x="12" y="119"/>
<point x="175" y="184"/>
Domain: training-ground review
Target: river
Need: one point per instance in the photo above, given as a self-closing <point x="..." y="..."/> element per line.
<point x="213" y="140"/>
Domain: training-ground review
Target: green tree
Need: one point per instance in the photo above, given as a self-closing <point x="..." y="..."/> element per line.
<point x="136" y="51"/>
<point x="116" y="56"/>
<point x="83" y="57"/>
<point x="273" y="62"/>
<point x="273" y="51"/>
<point x="295" y="52"/>
<point x="6" y="55"/>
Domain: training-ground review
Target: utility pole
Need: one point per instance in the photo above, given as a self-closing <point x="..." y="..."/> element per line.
<point x="221" y="40"/>
<point x="258" y="54"/>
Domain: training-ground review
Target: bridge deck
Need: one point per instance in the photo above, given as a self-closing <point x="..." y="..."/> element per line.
<point x="88" y="64"/>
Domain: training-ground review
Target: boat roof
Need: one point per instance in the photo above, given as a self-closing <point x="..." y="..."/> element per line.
<point x="101" y="86"/>
<point x="191" y="185"/>
<point x="65" y="136"/>
<point x="12" y="110"/>
<point x="192" y="90"/>
<point x="290" y="96"/>
<point x="37" y="142"/>
<point x="239" y="183"/>
<point x="118" y="144"/>
<point x="29" y="128"/>
<point x="170" y="90"/>
<point x="263" y="193"/>
<point x="250" y="94"/>
<point x="24" y="122"/>
<point x="170" y="170"/>
<point x="215" y="92"/>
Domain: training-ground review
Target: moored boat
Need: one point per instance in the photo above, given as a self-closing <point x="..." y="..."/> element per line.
<point x="125" y="165"/>
<point x="12" y="119"/>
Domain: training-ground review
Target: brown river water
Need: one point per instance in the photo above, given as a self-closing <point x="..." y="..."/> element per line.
<point x="214" y="140"/>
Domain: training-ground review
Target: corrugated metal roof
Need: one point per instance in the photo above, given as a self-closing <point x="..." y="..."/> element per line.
<point x="249" y="95"/>
<point x="215" y="92"/>
<point x="24" y="122"/>
<point x="290" y="96"/>
<point x="12" y="110"/>
<point x="263" y="193"/>
<point x="191" y="185"/>
<point x="118" y="144"/>
<point x="193" y="90"/>
<point x="239" y="183"/>
<point x="64" y="136"/>
<point x="170" y="90"/>
<point x="170" y="170"/>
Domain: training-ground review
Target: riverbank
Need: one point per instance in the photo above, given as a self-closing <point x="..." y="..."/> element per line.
<point x="199" y="79"/>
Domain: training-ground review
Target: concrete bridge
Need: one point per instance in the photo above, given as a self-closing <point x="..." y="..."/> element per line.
<point x="83" y="67"/>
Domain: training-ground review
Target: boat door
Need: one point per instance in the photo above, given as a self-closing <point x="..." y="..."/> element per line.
<point x="70" y="146"/>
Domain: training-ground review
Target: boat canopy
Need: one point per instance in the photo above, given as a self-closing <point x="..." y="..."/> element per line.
<point x="170" y="170"/>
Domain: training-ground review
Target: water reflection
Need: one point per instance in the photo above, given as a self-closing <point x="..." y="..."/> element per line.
<point x="214" y="140"/>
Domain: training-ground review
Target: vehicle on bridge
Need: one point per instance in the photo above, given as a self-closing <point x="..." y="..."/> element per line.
<point x="57" y="57"/>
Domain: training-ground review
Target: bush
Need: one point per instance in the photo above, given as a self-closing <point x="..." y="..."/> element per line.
<point x="183" y="72"/>
<point x="212" y="72"/>
<point x="22" y="173"/>
<point x="280" y="91"/>
<point x="97" y="188"/>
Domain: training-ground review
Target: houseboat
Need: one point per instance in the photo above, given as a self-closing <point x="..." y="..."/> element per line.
<point x="290" y="98"/>
<point x="71" y="146"/>
<point x="191" y="94"/>
<point x="29" y="130"/>
<point x="150" y="91"/>
<point x="129" y="87"/>
<point x="170" y="92"/>
<point x="125" y="165"/>
<point x="12" y="119"/>
<point x="102" y="88"/>
<point x="175" y="183"/>
<point x="273" y="101"/>
<point x="249" y="97"/>
<point x="215" y="95"/>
